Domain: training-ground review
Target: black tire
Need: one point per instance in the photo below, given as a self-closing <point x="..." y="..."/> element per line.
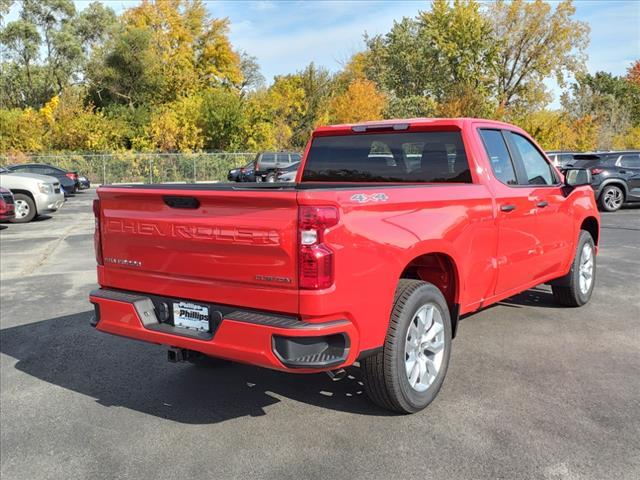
<point x="611" y="198"/>
<point x="30" y="205"/>
<point x="384" y="374"/>
<point x="568" y="292"/>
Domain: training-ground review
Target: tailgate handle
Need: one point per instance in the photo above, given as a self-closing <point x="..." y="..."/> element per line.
<point x="181" y="202"/>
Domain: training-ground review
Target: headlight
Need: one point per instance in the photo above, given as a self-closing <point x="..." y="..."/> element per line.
<point x="45" y="187"/>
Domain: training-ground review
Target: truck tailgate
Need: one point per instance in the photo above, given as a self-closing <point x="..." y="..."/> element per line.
<point x="216" y="245"/>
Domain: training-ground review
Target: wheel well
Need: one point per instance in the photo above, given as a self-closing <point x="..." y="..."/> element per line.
<point x="24" y="192"/>
<point x="440" y="270"/>
<point x="590" y="224"/>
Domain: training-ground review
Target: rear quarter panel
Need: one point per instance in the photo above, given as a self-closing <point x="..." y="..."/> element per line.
<point x="376" y="240"/>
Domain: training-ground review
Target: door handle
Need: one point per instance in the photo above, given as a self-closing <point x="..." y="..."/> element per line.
<point x="507" y="208"/>
<point x="542" y="204"/>
<point x="622" y="171"/>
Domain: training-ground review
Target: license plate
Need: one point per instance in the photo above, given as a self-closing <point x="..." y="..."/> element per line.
<point x="191" y="316"/>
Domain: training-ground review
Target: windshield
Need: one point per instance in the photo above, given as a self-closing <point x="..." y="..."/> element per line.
<point x="388" y="157"/>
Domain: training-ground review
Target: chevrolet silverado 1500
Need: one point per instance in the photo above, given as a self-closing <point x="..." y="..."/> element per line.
<point x="391" y="232"/>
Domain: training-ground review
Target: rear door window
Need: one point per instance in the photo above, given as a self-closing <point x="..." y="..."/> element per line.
<point x="412" y="157"/>
<point x="499" y="157"/>
<point x="268" y="160"/>
<point x="630" y="160"/>
<point x="282" y="158"/>
<point x="48" y="171"/>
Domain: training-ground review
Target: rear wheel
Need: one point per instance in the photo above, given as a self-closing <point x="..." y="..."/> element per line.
<point x="407" y="374"/>
<point x="581" y="278"/>
<point x="612" y="198"/>
<point x="25" y="208"/>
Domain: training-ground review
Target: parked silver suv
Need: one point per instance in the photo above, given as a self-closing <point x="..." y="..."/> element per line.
<point x="34" y="194"/>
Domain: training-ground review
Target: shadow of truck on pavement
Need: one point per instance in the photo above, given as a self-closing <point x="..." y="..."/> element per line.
<point x="67" y="352"/>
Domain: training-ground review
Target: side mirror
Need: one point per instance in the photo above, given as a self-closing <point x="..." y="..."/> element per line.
<point x="576" y="177"/>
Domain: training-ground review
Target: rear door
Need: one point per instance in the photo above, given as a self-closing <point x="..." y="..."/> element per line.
<point x="518" y="242"/>
<point x="554" y="223"/>
<point x="629" y="168"/>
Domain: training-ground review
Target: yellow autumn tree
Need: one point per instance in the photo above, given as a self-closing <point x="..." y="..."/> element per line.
<point x="21" y="131"/>
<point x="70" y="124"/>
<point x="360" y="102"/>
<point x="175" y="126"/>
<point x="192" y="50"/>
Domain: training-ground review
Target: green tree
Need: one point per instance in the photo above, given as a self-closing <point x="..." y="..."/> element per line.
<point x="445" y="56"/>
<point x="162" y="51"/>
<point x="126" y="71"/>
<point x="45" y="49"/>
<point x="612" y="102"/>
<point x="222" y="119"/>
<point x="534" y="43"/>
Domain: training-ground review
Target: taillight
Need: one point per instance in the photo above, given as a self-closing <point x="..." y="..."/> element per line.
<point x="97" y="242"/>
<point x="596" y="171"/>
<point x="72" y="176"/>
<point x="316" y="268"/>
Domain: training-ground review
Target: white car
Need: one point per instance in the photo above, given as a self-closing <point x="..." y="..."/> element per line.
<point x="34" y="194"/>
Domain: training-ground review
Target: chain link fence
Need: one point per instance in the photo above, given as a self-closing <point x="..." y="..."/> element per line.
<point x="132" y="167"/>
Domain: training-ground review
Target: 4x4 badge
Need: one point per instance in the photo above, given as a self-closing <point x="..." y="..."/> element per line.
<point x="374" y="197"/>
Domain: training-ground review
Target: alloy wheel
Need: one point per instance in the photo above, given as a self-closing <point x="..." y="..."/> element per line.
<point x="586" y="268"/>
<point x="424" y="347"/>
<point x="613" y="198"/>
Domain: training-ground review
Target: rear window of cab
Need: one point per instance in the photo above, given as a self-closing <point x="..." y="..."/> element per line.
<point x="411" y="157"/>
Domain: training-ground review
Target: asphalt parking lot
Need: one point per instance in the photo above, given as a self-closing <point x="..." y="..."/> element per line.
<point x="533" y="390"/>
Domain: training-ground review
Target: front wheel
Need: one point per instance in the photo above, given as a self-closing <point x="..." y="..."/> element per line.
<point x="406" y="375"/>
<point x="578" y="285"/>
<point x="25" y="208"/>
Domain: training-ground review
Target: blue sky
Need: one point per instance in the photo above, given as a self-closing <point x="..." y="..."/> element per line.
<point x="287" y="35"/>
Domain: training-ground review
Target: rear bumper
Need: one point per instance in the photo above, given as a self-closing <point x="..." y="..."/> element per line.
<point x="258" y="338"/>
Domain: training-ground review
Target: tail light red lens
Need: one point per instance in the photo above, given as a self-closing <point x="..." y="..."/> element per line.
<point x="316" y="262"/>
<point x="72" y="176"/>
<point x="596" y="171"/>
<point x="97" y="242"/>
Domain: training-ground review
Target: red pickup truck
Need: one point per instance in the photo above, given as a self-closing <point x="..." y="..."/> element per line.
<point x="392" y="231"/>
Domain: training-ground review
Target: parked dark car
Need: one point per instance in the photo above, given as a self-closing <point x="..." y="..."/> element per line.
<point x="560" y="158"/>
<point x="83" y="183"/>
<point x="69" y="180"/>
<point x="237" y="174"/>
<point x="615" y="176"/>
